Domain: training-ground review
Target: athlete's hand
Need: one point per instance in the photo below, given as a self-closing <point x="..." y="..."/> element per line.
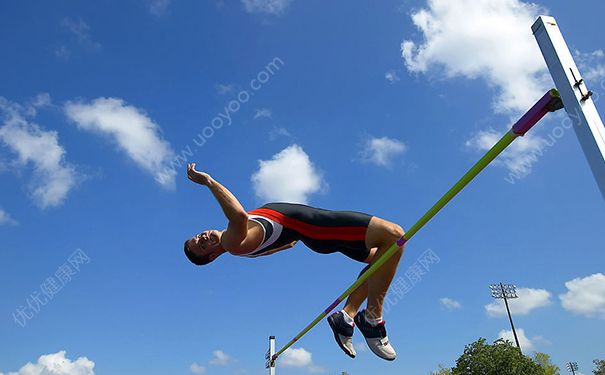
<point x="197" y="176"/>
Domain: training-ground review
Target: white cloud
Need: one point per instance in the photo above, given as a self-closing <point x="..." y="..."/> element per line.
<point x="591" y="65"/>
<point x="529" y="300"/>
<point x="81" y="31"/>
<point x="391" y="76"/>
<point x="518" y="158"/>
<point x="525" y="343"/>
<point x="197" y="369"/>
<point x="289" y="176"/>
<point x="482" y="39"/>
<point x="274" y="7"/>
<point x="296" y="357"/>
<point x="279" y="132"/>
<point x="220" y="358"/>
<point x="53" y="176"/>
<point x="450" y="304"/>
<point x="585" y="296"/>
<point x="262" y="113"/>
<point x="62" y="53"/>
<point x="381" y="151"/>
<point x="41" y="100"/>
<point x="224" y="89"/>
<point x="5" y="218"/>
<point x="133" y="131"/>
<point x="158" y="7"/>
<point x="57" y="364"/>
<point x="300" y="358"/>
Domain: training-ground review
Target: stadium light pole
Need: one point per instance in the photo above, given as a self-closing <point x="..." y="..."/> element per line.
<point x="506" y="291"/>
<point x="572" y="367"/>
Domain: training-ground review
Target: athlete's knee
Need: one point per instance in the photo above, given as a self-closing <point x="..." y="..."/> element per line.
<point x="398" y="231"/>
<point x="393" y="232"/>
<point x="382" y="233"/>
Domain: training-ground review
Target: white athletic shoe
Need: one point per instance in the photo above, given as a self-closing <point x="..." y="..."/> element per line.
<point x="343" y="333"/>
<point x="376" y="337"/>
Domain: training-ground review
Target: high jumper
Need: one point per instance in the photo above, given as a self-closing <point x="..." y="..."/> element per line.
<point x="279" y="226"/>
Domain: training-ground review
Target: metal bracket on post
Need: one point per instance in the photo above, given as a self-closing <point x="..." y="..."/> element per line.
<point x="578" y="84"/>
<point x="269" y="356"/>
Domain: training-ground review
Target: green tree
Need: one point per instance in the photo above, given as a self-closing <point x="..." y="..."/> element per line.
<point x="501" y="358"/>
<point x="600" y="370"/>
<point x="442" y="371"/>
<point x="543" y="360"/>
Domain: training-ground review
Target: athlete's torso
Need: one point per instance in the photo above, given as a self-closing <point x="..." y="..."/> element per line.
<point x="274" y="236"/>
<point x="324" y="231"/>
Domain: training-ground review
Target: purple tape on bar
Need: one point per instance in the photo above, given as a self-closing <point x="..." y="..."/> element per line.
<point x="401" y="241"/>
<point x="531" y="117"/>
<point x="332" y="306"/>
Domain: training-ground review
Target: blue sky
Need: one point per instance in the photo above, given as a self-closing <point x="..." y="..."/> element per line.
<point x="376" y="107"/>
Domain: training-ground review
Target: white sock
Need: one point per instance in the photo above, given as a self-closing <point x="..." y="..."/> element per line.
<point x="374" y="322"/>
<point x="347" y="318"/>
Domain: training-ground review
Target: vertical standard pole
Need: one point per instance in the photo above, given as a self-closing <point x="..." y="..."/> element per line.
<point x="510" y="316"/>
<point x="271" y="362"/>
<point x="576" y="96"/>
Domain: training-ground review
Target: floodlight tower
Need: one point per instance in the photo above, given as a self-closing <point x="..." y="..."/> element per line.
<point x="506" y="291"/>
<point x="572" y="367"/>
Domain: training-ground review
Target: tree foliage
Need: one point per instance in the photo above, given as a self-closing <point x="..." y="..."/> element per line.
<point x="543" y="360"/>
<point x="500" y="358"/>
<point x="600" y="370"/>
<point x="442" y="371"/>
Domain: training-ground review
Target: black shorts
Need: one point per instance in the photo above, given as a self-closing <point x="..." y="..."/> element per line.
<point x="323" y="231"/>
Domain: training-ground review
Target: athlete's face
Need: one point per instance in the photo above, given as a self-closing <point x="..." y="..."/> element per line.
<point x="205" y="243"/>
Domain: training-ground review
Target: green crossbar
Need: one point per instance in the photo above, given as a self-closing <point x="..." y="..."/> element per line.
<point x="550" y="102"/>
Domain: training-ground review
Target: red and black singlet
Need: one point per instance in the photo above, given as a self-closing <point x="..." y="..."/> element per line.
<point x="323" y="231"/>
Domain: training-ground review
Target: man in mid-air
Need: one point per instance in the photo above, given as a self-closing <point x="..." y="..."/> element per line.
<point x="278" y="226"/>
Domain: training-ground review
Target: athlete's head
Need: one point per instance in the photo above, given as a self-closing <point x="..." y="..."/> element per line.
<point x="205" y="247"/>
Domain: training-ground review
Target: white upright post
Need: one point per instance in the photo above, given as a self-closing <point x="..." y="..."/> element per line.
<point x="270" y="362"/>
<point x="576" y="97"/>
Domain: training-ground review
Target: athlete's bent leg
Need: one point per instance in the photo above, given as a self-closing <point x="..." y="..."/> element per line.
<point x="381" y="234"/>
<point x="357" y="297"/>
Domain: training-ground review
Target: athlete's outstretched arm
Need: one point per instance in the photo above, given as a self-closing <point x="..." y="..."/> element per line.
<point x="233" y="210"/>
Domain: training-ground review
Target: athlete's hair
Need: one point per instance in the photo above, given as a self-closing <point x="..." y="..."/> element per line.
<point x="198" y="260"/>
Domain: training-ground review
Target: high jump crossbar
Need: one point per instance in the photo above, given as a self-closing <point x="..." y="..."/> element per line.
<point x="550" y="102"/>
